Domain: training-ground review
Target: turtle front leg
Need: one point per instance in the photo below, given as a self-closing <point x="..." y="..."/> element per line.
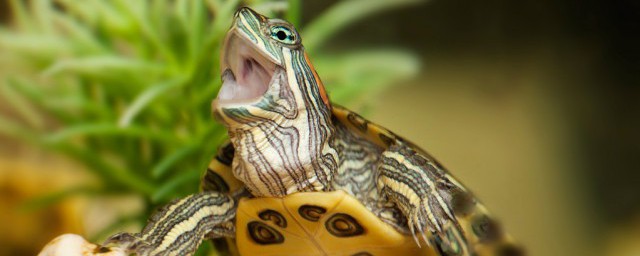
<point x="179" y="227"/>
<point x="425" y="195"/>
<point x="437" y="207"/>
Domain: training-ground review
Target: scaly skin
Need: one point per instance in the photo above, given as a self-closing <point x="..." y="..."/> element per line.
<point x="287" y="140"/>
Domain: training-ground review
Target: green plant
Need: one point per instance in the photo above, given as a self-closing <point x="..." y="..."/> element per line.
<point x="124" y="87"/>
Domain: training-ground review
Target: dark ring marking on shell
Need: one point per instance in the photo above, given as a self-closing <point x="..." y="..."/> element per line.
<point x="343" y="225"/>
<point x="485" y="228"/>
<point x="263" y="234"/>
<point x="362" y="254"/>
<point x="311" y="212"/>
<point x="357" y="121"/>
<point x="276" y="217"/>
<point x="214" y="182"/>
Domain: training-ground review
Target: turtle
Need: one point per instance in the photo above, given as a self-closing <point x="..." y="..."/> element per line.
<point x="302" y="176"/>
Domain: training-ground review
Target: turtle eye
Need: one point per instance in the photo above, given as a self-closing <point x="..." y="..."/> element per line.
<point x="283" y="34"/>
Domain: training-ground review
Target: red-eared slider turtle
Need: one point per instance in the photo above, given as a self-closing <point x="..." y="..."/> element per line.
<point x="301" y="176"/>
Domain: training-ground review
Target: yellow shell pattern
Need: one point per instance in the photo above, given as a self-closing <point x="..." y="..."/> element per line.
<point x="317" y="223"/>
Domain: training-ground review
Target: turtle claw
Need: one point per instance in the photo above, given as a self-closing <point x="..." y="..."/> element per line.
<point x="427" y="219"/>
<point x="128" y="242"/>
<point x="416" y="226"/>
<point x="413" y="233"/>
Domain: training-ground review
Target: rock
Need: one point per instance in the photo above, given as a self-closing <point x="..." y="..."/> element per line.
<point x="75" y="245"/>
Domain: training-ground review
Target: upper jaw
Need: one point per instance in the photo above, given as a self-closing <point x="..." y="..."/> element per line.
<point x="246" y="72"/>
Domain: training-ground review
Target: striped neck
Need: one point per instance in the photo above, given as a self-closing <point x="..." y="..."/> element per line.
<point x="276" y="109"/>
<point x="283" y="142"/>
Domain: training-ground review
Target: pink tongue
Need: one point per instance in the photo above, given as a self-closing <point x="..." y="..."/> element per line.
<point x="252" y="83"/>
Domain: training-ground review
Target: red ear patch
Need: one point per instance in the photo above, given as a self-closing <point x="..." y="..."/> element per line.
<point x="323" y="92"/>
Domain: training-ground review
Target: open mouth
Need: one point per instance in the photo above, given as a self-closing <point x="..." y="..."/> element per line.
<point x="246" y="72"/>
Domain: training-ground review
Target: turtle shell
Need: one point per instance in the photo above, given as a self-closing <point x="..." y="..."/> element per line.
<point x="335" y="222"/>
<point x="317" y="223"/>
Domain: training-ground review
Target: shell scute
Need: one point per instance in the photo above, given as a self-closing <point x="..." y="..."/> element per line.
<point x="341" y="225"/>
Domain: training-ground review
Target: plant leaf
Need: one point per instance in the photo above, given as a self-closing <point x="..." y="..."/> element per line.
<point x="19" y="11"/>
<point x="167" y="162"/>
<point x="166" y="189"/>
<point x="294" y="12"/>
<point x="100" y="65"/>
<point x="145" y="98"/>
<point x="84" y="41"/>
<point x="43" y="12"/>
<point x="360" y="74"/>
<point x="20" y="104"/>
<point x="111" y="175"/>
<point x="14" y="130"/>
<point x="105" y="129"/>
<point x="32" y="45"/>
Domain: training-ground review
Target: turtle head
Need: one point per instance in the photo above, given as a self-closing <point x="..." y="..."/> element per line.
<point x="275" y="107"/>
<point x="261" y="58"/>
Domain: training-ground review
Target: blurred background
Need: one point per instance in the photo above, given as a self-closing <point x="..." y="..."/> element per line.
<point x="534" y="105"/>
